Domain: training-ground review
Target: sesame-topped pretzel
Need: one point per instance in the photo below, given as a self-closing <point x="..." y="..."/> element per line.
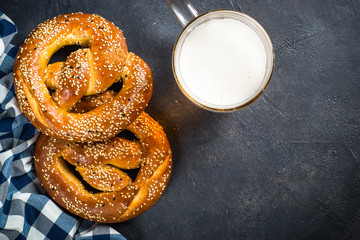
<point x="88" y="71"/>
<point x="117" y="198"/>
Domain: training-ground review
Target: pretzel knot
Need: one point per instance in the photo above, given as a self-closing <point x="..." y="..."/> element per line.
<point x="48" y="93"/>
<point x="118" y="198"/>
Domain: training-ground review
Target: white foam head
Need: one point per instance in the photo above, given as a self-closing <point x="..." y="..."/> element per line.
<point x="221" y="62"/>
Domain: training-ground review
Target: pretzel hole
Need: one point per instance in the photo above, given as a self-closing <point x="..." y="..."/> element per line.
<point x="62" y="54"/>
<point x="128" y="135"/>
<point x="72" y="169"/>
<point x="51" y="91"/>
<point x="132" y="173"/>
<point x="116" y="86"/>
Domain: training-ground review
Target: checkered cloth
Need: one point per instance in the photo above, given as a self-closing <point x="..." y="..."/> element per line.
<point x="26" y="212"/>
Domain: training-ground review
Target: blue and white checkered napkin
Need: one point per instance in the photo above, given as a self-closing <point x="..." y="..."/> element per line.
<point x="26" y="212"/>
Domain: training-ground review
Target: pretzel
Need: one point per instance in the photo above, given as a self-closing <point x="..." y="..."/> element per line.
<point x="117" y="197"/>
<point x="103" y="60"/>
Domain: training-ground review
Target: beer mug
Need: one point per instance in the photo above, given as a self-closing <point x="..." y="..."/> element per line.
<point x="222" y="60"/>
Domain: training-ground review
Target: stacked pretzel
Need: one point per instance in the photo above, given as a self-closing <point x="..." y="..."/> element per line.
<point x="80" y="117"/>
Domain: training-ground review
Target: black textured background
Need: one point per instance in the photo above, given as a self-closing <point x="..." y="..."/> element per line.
<point x="287" y="166"/>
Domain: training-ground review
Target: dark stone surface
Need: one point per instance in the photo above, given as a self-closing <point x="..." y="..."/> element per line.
<point x="287" y="166"/>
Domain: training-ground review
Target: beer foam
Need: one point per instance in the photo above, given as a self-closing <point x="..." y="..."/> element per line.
<point x="222" y="63"/>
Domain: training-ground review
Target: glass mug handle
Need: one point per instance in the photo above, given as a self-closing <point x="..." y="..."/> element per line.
<point x="183" y="10"/>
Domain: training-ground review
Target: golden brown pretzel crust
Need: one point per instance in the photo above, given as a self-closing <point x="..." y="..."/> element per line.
<point x="99" y="164"/>
<point x="88" y="71"/>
